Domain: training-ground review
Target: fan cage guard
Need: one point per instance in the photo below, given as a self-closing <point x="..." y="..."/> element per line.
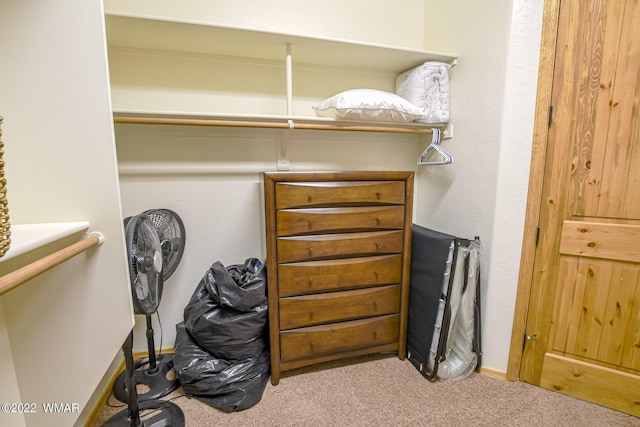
<point x="171" y="232"/>
<point x="146" y="300"/>
<point x="5" y="225"/>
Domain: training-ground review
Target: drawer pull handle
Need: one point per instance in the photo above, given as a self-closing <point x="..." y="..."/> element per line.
<point x="375" y="306"/>
<point x="312" y="345"/>
<point x="311" y="315"/>
<point x="309" y="197"/>
<point x="378" y="195"/>
<point x="310" y="251"/>
<point x="377" y="275"/>
<point x="375" y="334"/>
<point x="310" y="281"/>
<point x="377" y="221"/>
<point x="310" y="224"/>
<point x="377" y="246"/>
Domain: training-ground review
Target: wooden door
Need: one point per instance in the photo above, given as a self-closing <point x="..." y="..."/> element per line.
<point x="583" y="324"/>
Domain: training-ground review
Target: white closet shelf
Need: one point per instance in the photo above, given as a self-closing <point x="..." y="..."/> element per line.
<point x="27" y="237"/>
<point x="268" y="121"/>
<point x="145" y="32"/>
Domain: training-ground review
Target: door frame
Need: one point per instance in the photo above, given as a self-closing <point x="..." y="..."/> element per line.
<point x="536" y="175"/>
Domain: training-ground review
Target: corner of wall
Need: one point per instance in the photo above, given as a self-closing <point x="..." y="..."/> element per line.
<point x="513" y="174"/>
<point x="10" y="391"/>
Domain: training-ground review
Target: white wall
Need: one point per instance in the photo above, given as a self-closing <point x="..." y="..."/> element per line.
<point x="483" y="193"/>
<point x="513" y="176"/>
<point x="460" y="200"/>
<point x="64" y="328"/>
<point x="10" y="391"/>
<point x="396" y="23"/>
<point x="211" y="178"/>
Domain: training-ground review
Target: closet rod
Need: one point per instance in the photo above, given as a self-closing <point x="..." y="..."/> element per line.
<point x="264" y="124"/>
<point x="18" y="277"/>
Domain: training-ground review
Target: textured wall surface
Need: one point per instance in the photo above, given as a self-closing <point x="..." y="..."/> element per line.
<point x="460" y="199"/>
<point x="513" y="177"/>
<point x="484" y="192"/>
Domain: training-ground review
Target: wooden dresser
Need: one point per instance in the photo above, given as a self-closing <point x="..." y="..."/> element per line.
<point x="338" y="258"/>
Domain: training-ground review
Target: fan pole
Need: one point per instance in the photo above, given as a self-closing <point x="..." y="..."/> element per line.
<point x="134" y="411"/>
<point x="153" y="368"/>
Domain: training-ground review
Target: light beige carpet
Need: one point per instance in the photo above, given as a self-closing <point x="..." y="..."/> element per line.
<point x="385" y="391"/>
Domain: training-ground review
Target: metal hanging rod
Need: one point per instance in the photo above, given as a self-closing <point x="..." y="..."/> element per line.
<point x="17" y="277"/>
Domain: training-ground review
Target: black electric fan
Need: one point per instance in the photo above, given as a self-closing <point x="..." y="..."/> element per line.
<point x="152" y="371"/>
<point x="145" y="259"/>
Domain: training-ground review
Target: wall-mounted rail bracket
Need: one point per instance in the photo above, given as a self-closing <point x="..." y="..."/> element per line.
<point x="447" y="132"/>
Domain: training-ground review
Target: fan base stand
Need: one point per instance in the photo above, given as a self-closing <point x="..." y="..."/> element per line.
<point x="165" y="414"/>
<point x="156" y="382"/>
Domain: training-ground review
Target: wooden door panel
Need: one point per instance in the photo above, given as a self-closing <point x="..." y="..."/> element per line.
<point x="611" y="176"/>
<point x="601" y="240"/>
<point x="597" y="312"/>
<point x="620" y="176"/>
<point x="608" y="387"/>
<point x="621" y="342"/>
<point x="579" y="83"/>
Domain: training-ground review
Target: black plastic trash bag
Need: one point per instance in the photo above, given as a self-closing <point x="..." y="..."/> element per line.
<point x="227" y="313"/>
<point x="229" y="386"/>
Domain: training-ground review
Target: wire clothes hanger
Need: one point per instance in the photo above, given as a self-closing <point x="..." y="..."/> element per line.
<point x="444" y="157"/>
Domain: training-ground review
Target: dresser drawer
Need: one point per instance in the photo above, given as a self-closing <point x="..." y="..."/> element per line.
<point x="316" y="309"/>
<point x="347" y="193"/>
<point x="302" y="248"/>
<point x="338" y="337"/>
<point x="333" y="275"/>
<point x="330" y="220"/>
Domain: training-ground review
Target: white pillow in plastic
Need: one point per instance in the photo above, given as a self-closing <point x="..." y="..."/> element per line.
<point x="427" y="87"/>
<point x="369" y="105"/>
